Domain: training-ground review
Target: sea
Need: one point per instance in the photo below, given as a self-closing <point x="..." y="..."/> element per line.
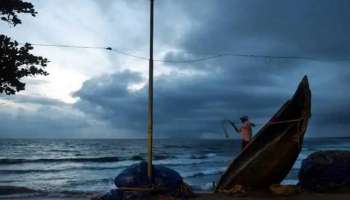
<point x="68" y="166"/>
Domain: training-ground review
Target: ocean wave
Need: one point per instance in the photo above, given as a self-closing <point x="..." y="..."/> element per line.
<point x="180" y="162"/>
<point x="180" y="146"/>
<point x="137" y="157"/>
<point x="19" y="171"/>
<point x="19" y="192"/>
<point x="203" y="156"/>
<point x="204" y="173"/>
<point x="290" y="181"/>
<point x="90" y="182"/>
<point x="8" y="190"/>
<point x="161" y="156"/>
<point x="155" y="157"/>
<point x="108" y="159"/>
<point x="115" y="166"/>
<point x="54" y="160"/>
<point x="297" y="164"/>
<point x="203" y="187"/>
<point x="197" y="156"/>
<point x="28" y="171"/>
<point x="64" y="150"/>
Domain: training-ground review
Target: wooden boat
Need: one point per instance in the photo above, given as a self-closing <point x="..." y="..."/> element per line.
<point x="268" y="158"/>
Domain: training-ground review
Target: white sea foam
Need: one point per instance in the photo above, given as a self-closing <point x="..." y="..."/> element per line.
<point x="290" y="182"/>
<point x="55" y="165"/>
<point x="207" y="172"/>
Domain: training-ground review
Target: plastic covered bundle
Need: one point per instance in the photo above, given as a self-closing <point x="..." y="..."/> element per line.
<point x="165" y="182"/>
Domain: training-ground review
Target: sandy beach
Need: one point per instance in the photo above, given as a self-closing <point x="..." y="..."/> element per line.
<point x="302" y="196"/>
<point x="207" y="196"/>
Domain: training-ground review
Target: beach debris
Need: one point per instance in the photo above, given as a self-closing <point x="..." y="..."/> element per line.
<point x="284" y="190"/>
<point x="325" y="171"/>
<point x="134" y="184"/>
<point x="162" y="197"/>
<point x="236" y="189"/>
<point x="136" y="176"/>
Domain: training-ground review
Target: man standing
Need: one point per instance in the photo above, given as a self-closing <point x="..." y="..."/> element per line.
<point x="245" y="130"/>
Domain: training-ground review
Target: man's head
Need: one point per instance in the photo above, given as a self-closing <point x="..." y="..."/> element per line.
<point x="244" y="119"/>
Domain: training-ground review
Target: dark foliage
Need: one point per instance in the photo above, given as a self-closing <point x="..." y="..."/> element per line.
<point x="10" y="8"/>
<point x="16" y="61"/>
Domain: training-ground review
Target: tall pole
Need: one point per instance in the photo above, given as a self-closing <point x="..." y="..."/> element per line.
<point x="150" y="99"/>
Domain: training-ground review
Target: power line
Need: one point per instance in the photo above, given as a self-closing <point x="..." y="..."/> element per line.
<point x="194" y="60"/>
<point x="68" y="46"/>
<point x="268" y="57"/>
<point x="128" y="54"/>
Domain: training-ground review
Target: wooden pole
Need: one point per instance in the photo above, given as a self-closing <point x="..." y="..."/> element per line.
<point x="150" y="99"/>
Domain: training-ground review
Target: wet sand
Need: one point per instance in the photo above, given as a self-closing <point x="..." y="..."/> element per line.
<point x="301" y="196"/>
<point x="226" y="197"/>
<point x="208" y="196"/>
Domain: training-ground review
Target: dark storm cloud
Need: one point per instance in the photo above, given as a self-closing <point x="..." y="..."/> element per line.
<point x="25" y="116"/>
<point x="193" y="98"/>
<point x="194" y="105"/>
<point x="23" y="99"/>
<point x="185" y="105"/>
<point x="108" y="98"/>
<point x="193" y="101"/>
<point x="316" y="27"/>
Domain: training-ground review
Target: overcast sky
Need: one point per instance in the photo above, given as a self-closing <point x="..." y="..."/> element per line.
<point x="99" y="94"/>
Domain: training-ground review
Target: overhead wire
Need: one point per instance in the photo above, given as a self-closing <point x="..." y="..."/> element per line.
<point x="200" y="59"/>
<point x="66" y="46"/>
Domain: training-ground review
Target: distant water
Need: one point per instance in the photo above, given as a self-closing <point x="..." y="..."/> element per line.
<point x="81" y="166"/>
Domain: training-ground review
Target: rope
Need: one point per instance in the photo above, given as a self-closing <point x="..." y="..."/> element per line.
<point x="287" y="121"/>
<point x="224" y="127"/>
<point x="226" y="121"/>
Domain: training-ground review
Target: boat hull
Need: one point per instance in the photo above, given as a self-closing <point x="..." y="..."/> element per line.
<point x="271" y="154"/>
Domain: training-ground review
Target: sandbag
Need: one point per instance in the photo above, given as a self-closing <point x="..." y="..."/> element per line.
<point x="325" y="171"/>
